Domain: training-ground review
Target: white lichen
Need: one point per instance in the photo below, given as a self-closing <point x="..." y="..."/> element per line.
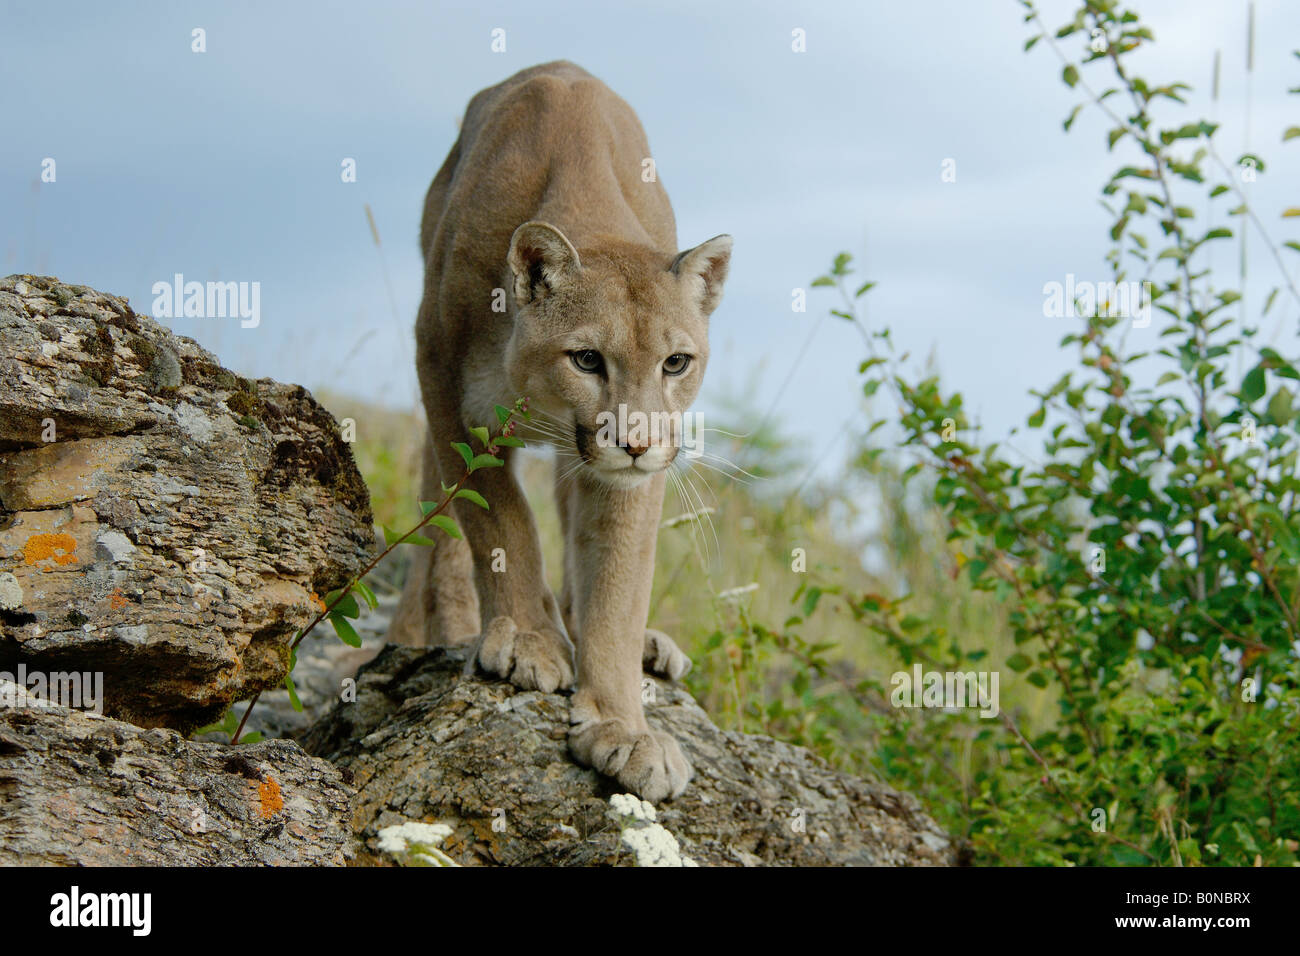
<point x="195" y="422"/>
<point x="11" y="592"/>
<point x="118" y="545"/>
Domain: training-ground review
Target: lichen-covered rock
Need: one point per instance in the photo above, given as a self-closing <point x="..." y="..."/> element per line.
<point x="81" y="790"/>
<point x="425" y="744"/>
<point x="162" y="520"/>
<point x="321" y="676"/>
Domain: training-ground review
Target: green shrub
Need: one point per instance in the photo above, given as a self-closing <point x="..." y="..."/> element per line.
<point x="1148" y="564"/>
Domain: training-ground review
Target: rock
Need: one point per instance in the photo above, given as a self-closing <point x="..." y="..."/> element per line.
<point x="324" y="663"/>
<point x="162" y="520"/>
<point x="423" y="744"/>
<point x="81" y="790"/>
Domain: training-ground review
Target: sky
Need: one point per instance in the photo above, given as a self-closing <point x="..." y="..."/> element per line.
<point x="226" y="165"/>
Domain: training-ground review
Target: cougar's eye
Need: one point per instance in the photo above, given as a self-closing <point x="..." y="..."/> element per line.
<point x="587" y="360"/>
<point x="676" y="364"/>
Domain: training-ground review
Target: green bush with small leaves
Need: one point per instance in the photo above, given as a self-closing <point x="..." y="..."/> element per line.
<point x="1149" y="564"/>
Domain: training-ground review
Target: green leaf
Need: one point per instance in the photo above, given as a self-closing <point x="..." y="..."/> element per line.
<point x="226" y="725"/>
<point x="392" y="537"/>
<point x="1036" y="419"/>
<point x="347" y="606"/>
<point x="1070" y="74"/>
<point x="1283" y="535"/>
<point x="510" y="441"/>
<point x="367" y="595"/>
<point x="863" y="289"/>
<point x="474" y="496"/>
<point x="503" y="413"/>
<point x="481" y="433"/>
<point x="294" y="702"/>
<point x="1069" y="120"/>
<point x="427" y="506"/>
<point x="447" y="525"/>
<point x="1291" y="133"/>
<point x="1268" y="303"/>
<point x="485" y="461"/>
<point x="1252" y="386"/>
<point x="1019" y="663"/>
<point x="1029" y="44"/>
<point x="1279" y="406"/>
<point x="255" y="737"/>
<point x="465" y="452"/>
<point x="343" y="628"/>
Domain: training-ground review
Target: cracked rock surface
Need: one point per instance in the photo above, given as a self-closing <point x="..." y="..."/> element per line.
<point x="77" y="790"/>
<point x="162" y="520"/>
<point x="423" y="743"/>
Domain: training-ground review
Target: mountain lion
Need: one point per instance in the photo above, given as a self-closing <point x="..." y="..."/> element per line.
<point x="551" y="272"/>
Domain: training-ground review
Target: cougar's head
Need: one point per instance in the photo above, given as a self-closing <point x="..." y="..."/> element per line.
<point x="610" y="346"/>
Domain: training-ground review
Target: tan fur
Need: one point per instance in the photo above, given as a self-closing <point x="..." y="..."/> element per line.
<point x="542" y="196"/>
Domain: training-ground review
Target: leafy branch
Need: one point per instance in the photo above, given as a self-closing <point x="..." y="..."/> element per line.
<point x="341" y="604"/>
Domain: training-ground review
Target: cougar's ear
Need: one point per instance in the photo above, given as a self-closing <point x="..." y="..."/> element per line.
<point x="706" y="267"/>
<point x="542" y="260"/>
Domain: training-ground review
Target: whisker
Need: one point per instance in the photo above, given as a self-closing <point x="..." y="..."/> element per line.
<point x="708" y="460"/>
<point x="723" y="431"/>
<point x="685" y="499"/>
<point x="708" y="514"/>
<point x="695" y="503"/>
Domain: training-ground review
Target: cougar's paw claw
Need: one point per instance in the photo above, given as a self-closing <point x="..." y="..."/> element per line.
<point x="647" y="762"/>
<point x="663" y="657"/>
<point x="532" y="660"/>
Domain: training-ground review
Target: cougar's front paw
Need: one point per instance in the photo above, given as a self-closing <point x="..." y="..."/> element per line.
<point x="540" y="659"/>
<point x="663" y="657"/>
<point x="647" y="762"/>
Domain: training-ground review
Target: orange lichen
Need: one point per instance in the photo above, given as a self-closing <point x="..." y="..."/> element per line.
<point x="117" y="600"/>
<point x="58" y="548"/>
<point x="269" y="793"/>
<point x="317" y="602"/>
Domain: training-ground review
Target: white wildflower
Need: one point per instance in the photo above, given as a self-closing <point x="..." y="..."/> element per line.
<point x="648" y="840"/>
<point x="733" y="594"/>
<point x="417" y="842"/>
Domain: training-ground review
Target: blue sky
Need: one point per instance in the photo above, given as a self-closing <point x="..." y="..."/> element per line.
<point x="225" y="165"/>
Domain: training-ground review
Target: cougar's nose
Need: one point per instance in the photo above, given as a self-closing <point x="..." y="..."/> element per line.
<point x="636" y="451"/>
